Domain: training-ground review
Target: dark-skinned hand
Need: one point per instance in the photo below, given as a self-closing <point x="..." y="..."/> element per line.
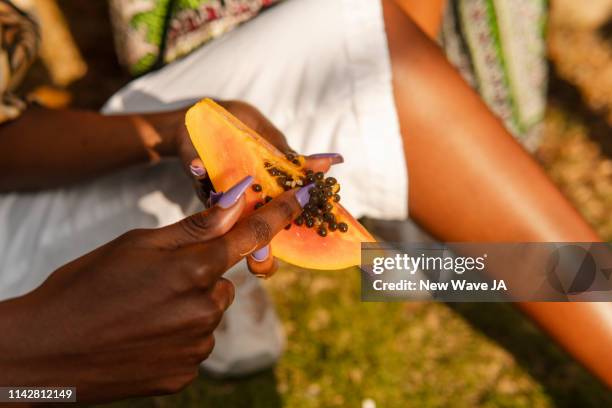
<point x="135" y="317"/>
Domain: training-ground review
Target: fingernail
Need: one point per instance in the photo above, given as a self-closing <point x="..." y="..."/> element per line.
<point x="261" y="254"/>
<point x="197" y="171"/>
<point x="303" y="194"/>
<point x="231" y="196"/>
<point x="214" y="198"/>
<point x="336" y="158"/>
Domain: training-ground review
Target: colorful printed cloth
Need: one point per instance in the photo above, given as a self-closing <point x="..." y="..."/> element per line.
<point x="499" y="47"/>
<point x="151" y="33"/>
<point x="19" y="41"/>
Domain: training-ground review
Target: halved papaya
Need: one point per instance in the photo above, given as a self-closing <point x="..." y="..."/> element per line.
<point x="324" y="236"/>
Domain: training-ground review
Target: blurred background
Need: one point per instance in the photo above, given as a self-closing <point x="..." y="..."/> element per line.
<point x="342" y="352"/>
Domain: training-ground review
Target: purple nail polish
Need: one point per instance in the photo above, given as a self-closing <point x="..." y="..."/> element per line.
<point x="214" y="198"/>
<point x="231" y="196"/>
<point x="303" y="194"/>
<point x="261" y="254"/>
<point x="197" y="171"/>
<point x="336" y="158"/>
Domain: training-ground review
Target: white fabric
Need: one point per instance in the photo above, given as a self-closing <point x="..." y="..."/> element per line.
<point x="39" y="232"/>
<point x="318" y="68"/>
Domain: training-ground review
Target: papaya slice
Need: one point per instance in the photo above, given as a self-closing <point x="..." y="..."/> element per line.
<point x="324" y="236"/>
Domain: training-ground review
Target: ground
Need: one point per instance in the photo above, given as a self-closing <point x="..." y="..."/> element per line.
<point x="342" y="352"/>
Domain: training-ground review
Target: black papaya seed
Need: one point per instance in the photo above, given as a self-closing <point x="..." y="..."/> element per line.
<point x="330" y="181"/>
<point x="256" y="188"/>
<point x="343" y="227"/>
<point x="314" y="200"/>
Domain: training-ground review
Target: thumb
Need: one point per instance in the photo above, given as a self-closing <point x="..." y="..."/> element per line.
<point x="208" y="224"/>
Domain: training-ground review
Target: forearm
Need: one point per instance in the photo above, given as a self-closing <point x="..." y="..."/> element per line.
<point x="49" y="148"/>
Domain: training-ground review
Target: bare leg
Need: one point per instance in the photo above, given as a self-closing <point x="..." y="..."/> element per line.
<point x="470" y="181"/>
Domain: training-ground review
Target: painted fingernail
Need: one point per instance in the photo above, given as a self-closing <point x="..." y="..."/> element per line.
<point x="231" y="196"/>
<point x="214" y="198"/>
<point x="336" y="158"/>
<point x="303" y="194"/>
<point x="261" y="254"/>
<point x="197" y="171"/>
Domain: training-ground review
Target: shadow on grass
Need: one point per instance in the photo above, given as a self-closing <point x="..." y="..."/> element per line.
<point x="255" y="391"/>
<point x="566" y="382"/>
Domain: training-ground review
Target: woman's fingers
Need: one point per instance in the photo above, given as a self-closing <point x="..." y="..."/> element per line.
<point x="260" y="227"/>
<point x="323" y="161"/>
<point x="261" y="263"/>
<point x="222" y="294"/>
<point x="206" y="225"/>
<point x="196" y="168"/>
<point x="252" y="232"/>
<point x="201" y="182"/>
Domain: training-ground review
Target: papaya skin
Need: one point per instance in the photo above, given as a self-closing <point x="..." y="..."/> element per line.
<point x="230" y="150"/>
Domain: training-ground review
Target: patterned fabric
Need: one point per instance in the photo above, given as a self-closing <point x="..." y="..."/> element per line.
<point x="151" y="33"/>
<point x="19" y="40"/>
<point x="499" y="47"/>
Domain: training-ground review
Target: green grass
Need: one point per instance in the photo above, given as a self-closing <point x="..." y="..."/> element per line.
<point x="342" y="351"/>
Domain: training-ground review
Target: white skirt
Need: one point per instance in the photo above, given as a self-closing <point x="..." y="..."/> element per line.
<point x="319" y="69"/>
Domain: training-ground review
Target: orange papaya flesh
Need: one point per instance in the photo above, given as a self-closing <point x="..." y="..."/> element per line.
<point x="324" y="236"/>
